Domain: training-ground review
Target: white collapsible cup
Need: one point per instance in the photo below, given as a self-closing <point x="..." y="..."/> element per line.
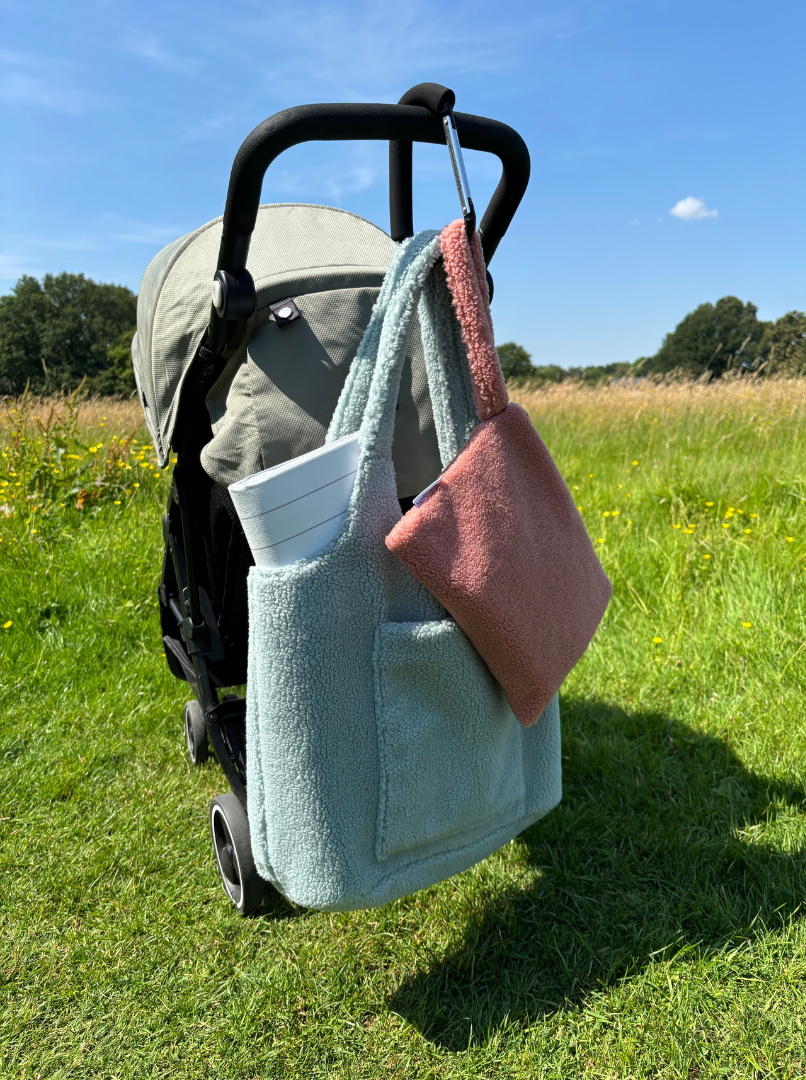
<point x="292" y="511"/>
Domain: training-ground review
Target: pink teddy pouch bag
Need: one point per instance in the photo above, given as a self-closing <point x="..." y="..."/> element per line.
<point x="497" y="539"/>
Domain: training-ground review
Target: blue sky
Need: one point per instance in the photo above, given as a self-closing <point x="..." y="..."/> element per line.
<point x="120" y="121"/>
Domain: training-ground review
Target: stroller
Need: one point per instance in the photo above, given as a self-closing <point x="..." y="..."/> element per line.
<point x="251" y="380"/>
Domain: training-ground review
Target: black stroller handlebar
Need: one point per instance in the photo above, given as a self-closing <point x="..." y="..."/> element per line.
<point x="397" y="124"/>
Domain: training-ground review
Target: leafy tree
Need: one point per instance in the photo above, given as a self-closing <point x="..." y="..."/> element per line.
<point x="711" y="338"/>
<point x="548" y="373"/>
<point x="516" y="363"/>
<point x="56" y="332"/>
<point x="784" y="343"/>
<point x="22" y="315"/>
<point x="604" y="372"/>
<point x="117" y="380"/>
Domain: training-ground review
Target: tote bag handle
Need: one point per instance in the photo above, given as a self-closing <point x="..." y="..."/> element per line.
<point x="370" y="392"/>
<point x="369" y="398"/>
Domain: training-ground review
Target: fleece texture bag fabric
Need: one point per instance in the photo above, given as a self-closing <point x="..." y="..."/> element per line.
<point x="382" y="754"/>
<point x="498" y="539"/>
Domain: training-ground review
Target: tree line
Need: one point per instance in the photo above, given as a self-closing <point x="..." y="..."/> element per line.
<point x="713" y="339"/>
<point x="66" y="327"/>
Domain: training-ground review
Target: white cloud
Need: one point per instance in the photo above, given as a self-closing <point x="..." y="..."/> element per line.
<point x="41" y="82"/>
<point x="149" y="47"/>
<point x="27" y="254"/>
<point x="565" y="35"/>
<point x="13" y="266"/>
<point x="137" y="232"/>
<point x="341" y="180"/>
<point x="384" y="47"/>
<point x="691" y="209"/>
<point x="207" y="128"/>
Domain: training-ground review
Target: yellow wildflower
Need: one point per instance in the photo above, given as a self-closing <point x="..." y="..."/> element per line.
<point x="747" y="531"/>
<point x="789" y="539"/>
<point x="7" y="624"/>
<point x="709" y="504"/>
<point x="600" y="540"/>
<point x="747" y="625"/>
<point x="657" y="640"/>
<point x="706" y="556"/>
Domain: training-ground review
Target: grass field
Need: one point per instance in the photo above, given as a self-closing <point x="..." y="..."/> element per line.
<point x="651" y="926"/>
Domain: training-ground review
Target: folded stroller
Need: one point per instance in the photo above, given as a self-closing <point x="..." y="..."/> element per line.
<point x="252" y="379"/>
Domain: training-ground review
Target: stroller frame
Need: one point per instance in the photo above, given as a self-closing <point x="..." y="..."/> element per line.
<point x="195" y="646"/>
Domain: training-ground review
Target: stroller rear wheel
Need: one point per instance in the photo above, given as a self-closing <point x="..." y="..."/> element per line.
<point x="229" y="827"/>
<point x="196" y="733"/>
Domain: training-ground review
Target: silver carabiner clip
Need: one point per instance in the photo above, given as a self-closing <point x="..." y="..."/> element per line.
<point x="459" y="174"/>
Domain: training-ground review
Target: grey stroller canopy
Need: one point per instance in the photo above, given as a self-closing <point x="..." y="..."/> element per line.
<point x="271" y="383"/>
<point x="278" y="390"/>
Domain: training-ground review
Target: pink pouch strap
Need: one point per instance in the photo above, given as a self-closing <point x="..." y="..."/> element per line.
<point x="467" y="281"/>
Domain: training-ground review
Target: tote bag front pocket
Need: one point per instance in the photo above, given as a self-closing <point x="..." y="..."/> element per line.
<point x="450" y="750"/>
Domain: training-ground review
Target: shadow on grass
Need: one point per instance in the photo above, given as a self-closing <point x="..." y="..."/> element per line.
<point x="275" y="907"/>
<point x="651" y="850"/>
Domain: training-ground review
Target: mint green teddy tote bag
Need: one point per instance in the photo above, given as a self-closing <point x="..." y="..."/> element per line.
<point x="382" y="756"/>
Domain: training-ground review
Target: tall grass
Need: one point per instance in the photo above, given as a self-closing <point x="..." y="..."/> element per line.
<point x="693" y="493"/>
<point x="66" y="453"/>
<point x="650" y="926"/>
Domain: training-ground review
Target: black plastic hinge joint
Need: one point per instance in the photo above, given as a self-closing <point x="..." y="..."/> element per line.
<point x="233" y="297"/>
